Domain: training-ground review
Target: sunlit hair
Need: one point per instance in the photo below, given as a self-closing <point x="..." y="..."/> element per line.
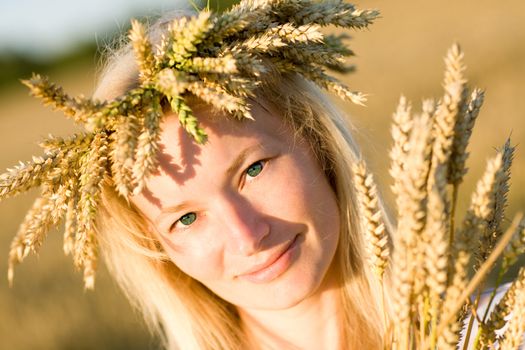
<point x="179" y="309"/>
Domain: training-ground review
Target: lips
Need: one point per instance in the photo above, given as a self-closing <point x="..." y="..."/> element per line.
<point x="273" y="266"/>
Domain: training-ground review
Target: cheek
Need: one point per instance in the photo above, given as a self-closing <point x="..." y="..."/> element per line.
<point x="323" y="204"/>
<point x="318" y="202"/>
<point x="198" y="260"/>
<point x="306" y="190"/>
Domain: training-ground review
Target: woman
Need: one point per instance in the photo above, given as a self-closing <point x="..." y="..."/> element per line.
<point x="218" y="180"/>
<point x="232" y="234"/>
<point x="251" y="240"/>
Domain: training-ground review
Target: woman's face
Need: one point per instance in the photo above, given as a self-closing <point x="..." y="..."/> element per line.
<point x="250" y="214"/>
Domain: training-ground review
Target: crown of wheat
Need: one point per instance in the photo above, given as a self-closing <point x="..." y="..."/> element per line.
<point x="219" y="58"/>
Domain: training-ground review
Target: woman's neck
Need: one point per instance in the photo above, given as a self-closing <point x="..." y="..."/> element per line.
<point x="314" y="323"/>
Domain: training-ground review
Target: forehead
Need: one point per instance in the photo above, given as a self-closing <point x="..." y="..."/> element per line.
<point x="187" y="167"/>
<point x="221" y="130"/>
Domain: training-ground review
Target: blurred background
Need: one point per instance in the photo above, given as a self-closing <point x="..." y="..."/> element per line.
<point x="401" y="54"/>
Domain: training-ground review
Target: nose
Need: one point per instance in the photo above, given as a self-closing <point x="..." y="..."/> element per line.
<point x="245" y="228"/>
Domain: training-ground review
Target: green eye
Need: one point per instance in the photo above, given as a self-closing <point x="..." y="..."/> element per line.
<point x="188" y="219"/>
<point x="255" y="169"/>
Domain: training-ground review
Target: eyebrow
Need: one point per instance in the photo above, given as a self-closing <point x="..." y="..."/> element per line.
<point x="240" y="159"/>
<point x="230" y="172"/>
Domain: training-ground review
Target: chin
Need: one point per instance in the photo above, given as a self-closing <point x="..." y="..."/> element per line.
<point x="293" y="287"/>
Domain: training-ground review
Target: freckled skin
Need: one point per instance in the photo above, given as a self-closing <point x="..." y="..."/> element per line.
<point x="241" y="221"/>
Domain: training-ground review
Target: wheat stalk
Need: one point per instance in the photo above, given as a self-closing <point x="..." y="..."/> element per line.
<point x="432" y="258"/>
<point x="375" y="233"/>
<point x="515" y="302"/>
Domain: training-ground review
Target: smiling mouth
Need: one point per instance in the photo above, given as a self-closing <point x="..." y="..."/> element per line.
<point x="274" y="266"/>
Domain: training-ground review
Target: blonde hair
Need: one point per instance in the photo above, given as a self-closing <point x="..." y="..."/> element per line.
<point x="180" y="309"/>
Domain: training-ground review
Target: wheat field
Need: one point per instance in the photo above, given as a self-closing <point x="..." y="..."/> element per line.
<point x="401" y="54"/>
